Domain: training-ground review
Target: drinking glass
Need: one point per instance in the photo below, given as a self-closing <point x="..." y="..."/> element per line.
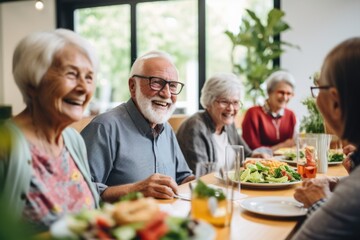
<point x="306" y="156"/>
<point x="234" y="158"/>
<point x="215" y="208"/>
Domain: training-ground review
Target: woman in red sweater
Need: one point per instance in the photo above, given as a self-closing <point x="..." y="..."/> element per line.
<point x="272" y="125"/>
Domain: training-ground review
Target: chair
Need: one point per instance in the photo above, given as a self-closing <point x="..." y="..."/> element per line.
<point x="176" y="120"/>
<point x="81" y="124"/>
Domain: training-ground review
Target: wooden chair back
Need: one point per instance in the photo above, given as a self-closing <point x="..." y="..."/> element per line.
<point x="81" y="124"/>
<point x="176" y="120"/>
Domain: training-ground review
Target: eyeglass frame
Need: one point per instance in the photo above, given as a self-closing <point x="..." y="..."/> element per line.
<point x="325" y="87"/>
<point x="164" y="81"/>
<point x="228" y="103"/>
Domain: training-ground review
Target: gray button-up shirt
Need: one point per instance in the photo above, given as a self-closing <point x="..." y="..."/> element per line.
<point x="122" y="148"/>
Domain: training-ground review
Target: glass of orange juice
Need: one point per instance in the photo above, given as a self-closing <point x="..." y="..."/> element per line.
<point x="211" y="203"/>
<point x="307" y="157"/>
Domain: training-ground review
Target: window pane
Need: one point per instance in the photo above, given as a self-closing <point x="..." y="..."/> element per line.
<point x="171" y="26"/>
<point x="108" y="28"/>
<point x="226" y="15"/>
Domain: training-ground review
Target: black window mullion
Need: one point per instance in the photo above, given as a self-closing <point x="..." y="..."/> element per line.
<point x="133" y="36"/>
<point x="201" y="46"/>
<point x="276" y="61"/>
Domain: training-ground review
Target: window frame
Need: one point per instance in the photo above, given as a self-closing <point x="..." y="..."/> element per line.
<point x="65" y="19"/>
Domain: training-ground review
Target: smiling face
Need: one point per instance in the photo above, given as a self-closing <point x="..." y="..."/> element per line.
<point x="156" y="106"/>
<point x="223" y="113"/>
<point x="66" y="87"/>
<point x="280" y="96"/>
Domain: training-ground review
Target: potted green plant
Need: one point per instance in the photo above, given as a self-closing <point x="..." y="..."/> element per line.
<point x="313" y="126"/>
<point x="313" y="122"/>
<point x="261" y="49"/>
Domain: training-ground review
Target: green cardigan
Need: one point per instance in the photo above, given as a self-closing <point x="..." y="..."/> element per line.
<point x="16" y="167"/>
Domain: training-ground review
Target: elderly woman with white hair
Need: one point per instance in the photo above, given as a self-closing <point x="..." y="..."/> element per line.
<point x="44" y="172"/>
<point x="204" y="136"/>
<point x="272" y="125"/>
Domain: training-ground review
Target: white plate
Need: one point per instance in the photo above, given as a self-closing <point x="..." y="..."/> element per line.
<point x="261" y="185"/>
<point x="274" y="206"/>
<point x="59" y="229"/>
<point x="293" y="162"/>
<point x="282" y="159"/>
<point x="282" y="151"/>
<point x="204" y="231"/>
<point x="334" y="163"/>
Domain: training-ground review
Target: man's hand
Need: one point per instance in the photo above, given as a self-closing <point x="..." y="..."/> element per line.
<point x="313" y="190"/>
<point x="157" y="186"/>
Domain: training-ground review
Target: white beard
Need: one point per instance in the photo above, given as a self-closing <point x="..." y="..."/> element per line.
<point x="153" y="115"/>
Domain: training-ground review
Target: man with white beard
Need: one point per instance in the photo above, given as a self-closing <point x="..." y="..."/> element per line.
<point x="132" y="147"/>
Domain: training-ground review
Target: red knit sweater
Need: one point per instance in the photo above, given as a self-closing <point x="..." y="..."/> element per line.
<point x="259" y="129"/>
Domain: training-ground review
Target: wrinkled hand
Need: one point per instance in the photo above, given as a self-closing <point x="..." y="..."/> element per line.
<point x="260" y="155"/>
<point x="288" y="143"/>
<point x="158" y="186"/>
<point x="347" y="162"/>
<point x="285" y="144"/>
<point x="349" y="149"/>
<point x="312" y="190"/>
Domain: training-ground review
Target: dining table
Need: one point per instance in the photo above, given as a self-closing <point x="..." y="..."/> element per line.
<point x="246" y="224"/>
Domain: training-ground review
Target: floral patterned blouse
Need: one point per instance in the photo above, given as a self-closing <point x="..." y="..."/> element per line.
<point x="57" y="187"/>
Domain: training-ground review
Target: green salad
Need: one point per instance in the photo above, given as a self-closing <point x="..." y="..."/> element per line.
<point x="291" y="155"/>
<point x="258" y="173"/>
<point x="203" y="191"/>
<point x="335" y="156"/>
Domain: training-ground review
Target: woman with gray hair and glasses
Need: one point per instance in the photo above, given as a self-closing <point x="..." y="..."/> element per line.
<point x="272" y="125"/>
<point x="204" y="136"/>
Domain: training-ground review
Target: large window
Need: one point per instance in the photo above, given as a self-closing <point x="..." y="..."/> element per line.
<point x="112" y="41"/>
<point x="192" y="31"/>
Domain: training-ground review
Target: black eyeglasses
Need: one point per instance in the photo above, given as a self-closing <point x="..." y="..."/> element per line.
<point x="315" y="90"/>
<point x="158" y="84"/>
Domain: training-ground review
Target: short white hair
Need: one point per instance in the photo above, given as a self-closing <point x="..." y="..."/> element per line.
<point x="35" y="53"/>
<point x="138" y="64"/>
<point x="220" y="85"/>
<point x="277" y="77"/>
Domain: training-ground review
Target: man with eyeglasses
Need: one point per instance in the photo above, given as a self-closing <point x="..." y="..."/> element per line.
<point x="132" y="148"/>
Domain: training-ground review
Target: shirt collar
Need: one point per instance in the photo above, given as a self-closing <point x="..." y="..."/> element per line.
<point x="211" y="123"/>
<point x="141" y="122"/>
<point x="267" y="109"/>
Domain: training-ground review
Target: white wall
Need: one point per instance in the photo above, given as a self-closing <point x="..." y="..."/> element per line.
<point x="18" y="19"/>
<point x="317" y="26"/>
